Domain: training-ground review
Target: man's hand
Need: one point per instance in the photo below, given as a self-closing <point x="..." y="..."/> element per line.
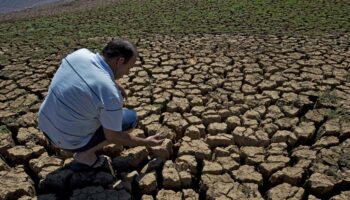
<point x="122" y="90"/>
<point x="124" y="138"/>
<point x="154" y="140"/>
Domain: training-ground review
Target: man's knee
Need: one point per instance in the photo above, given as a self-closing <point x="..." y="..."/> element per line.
<point x="130" y="119"/>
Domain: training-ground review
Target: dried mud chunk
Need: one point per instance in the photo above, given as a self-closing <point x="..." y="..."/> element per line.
<point x="198" y="110"/>
<point x="274" y="112"/>
<point x="15" y="183"/>
<point x="186" y="163"/>
<point x="164" y="131"/>
<point x="147" y="183"/>
<point x="30" y="134"/>
<point x="132" y="157"/>
<point x="192" y="132"/>
<point x="324" y="142"/>
<point x="320" y="184"/>
<point x="176" y="122"/>
<point x="164" y="151"/>
<point x="316" y="115"/>
<point x="6" y="141"/>
<point x="197" y="101"/>
<point x="232" y="122"/>
<point x="305" y="131"/>
<point x="40" y="197"/>
<point x="344" y="195"/>
<point x="253" y="79"/>
<point x="290" y="111"/>
<point x="253" y="155"/>
<point x="303" y="152"/>
<point x="180" y="105"/>
<point x="248" y="89"/>
<point x="190" y="194"/>
<point x="211" y="118"/>
<point x="345" y="128"/>
<point x="186" y="179"/>
<point x="304" y="163"/>
<point x="29" y="119"/>
<point x="198" y="148"/>
<point x="269" y="168"/>
<point x="228" y="163"/>
<point x="247" y="174"/>
<point x="224" y="113"/>
<point x="291" y="175"/>
<point x="284" y="136"/>
<point x="252" y="114"/>
<point x="219" y="140"/>
<point x="155" y="164"/>
<point x="211" y="183"/>
<point x="248" y="137"/>
<point x="330" y="128"/>
<point x="113" y="150"/>
<point x="3" y="165"/>
<point x="192" y="119"/>
<point x="211" y="167"/>
<point x="98" y="192"/>
<point x="149" y="120"/>
<point x="22" y="154"/>
<point x="277" y="148"/>
<point x="285" y="191"/>
<point x="312" y="197"/>
<point x="216" y="128"/>
<point x="168" y="194"/>
<point x="330" y="156"/>
<point x="267" y="85"/>
<point x="153" y="128"/>
<point x="44" y="165"/>
<point x="245" y="191"/>
<point x="146" y="197"/>
<point x="287" y="123"/>
<point x="223" y="187"/>
<point x="252" y="123"/>
<point x="270" y="128"/>
<point x="171" y="178"/>
<point x="278" y="158"/>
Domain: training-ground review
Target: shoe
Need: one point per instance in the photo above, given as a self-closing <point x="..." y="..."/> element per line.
<point x="80" y="167"/>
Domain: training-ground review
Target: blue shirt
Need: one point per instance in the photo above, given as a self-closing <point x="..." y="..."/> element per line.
<point x="82" y="97"/>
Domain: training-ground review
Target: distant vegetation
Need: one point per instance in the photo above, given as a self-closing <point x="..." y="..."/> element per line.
<point x="45" y="35"/>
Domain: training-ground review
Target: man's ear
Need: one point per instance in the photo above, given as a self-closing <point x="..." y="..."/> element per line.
<point x="120" y="60"/>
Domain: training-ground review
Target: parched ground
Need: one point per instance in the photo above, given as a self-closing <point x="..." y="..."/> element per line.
<point x="246" y="116"/>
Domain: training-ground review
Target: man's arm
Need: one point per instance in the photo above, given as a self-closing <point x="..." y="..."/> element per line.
<point x="121" y="88"/>
<point x="124" y="138"/>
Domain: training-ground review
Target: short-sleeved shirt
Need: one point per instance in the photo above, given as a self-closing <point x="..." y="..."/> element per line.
<point x="82" y="97"/>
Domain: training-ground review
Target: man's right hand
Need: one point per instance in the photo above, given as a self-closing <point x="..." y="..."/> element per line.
<point x="126" y="139"/>
<point x="154" y="140"/>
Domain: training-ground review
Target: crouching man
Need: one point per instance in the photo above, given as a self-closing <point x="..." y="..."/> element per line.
<point x="83" y="110"/>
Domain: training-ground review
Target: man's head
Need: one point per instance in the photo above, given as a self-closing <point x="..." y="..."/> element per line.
<point x="120" y="55"/>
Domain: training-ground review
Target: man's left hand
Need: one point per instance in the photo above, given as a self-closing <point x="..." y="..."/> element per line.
<point x="122" y="90"/>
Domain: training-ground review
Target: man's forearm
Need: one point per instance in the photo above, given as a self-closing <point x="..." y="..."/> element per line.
<point x="124" y="138"/>
<point x="118" y="84"/>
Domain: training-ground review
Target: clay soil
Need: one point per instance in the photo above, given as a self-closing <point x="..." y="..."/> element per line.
<point x="246" y="116"/>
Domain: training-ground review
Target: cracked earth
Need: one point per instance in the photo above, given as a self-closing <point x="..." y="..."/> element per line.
<point x="245" y="117"/>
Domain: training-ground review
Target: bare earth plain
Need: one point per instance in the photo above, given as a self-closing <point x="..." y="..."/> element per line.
<point x="245" y="116"/>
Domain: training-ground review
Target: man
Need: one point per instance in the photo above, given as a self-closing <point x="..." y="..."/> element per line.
<point x="83" y="109"/>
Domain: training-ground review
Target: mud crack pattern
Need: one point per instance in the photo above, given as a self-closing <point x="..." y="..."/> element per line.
<point x="245" y="117"/>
